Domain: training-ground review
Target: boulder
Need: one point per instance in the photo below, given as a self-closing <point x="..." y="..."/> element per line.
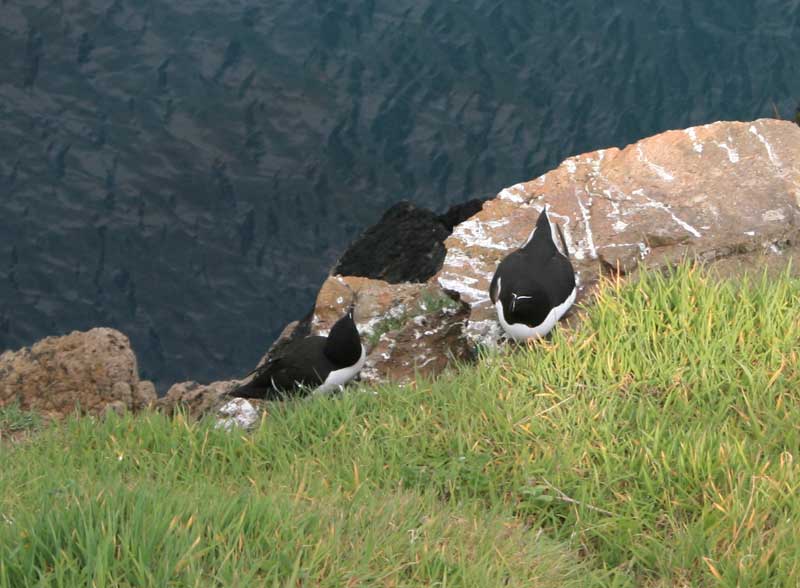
<point x="237" y="413"/>
<point x="196" y="399"/>
<point x="385" y="271"/>
<point x="727" y="190"/>
<point x="424" y="345"/>
<point x="147" y="394"/>
<point x="89" y="370"/>
<point x="406" y="328"/>
<point x="406" y="245"/>
<point x="458" y="213"/>
<point x="376" y="301"/>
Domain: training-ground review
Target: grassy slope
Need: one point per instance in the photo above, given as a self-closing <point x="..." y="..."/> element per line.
<point x="657" y="446"/>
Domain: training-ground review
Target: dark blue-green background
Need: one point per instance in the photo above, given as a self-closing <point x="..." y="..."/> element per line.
<point x="188" y="170"/>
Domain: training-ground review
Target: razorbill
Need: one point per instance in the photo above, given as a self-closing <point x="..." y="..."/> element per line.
<point x="316" y="363"/>
<point x="534" y="286"/>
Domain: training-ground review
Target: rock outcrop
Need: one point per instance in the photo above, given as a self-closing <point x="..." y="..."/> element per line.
<point x="94" y="371"/>
<point x="408" y="329"/>
<point x="237" y="413"/>
<point x="405" y="245"/>
<point x="727" y="192"/>
<point x="724" y="191"/>
<point x="196" y="399"/>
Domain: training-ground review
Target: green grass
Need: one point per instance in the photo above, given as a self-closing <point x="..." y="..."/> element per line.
<point x="13" y="419"/>
<point x="658" y="445"/>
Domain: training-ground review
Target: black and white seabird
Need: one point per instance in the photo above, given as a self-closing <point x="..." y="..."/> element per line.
<point x="534" y="286"/>
<point x="318" y="363"/>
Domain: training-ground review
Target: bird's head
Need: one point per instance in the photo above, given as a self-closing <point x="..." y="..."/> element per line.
<point x="344" y="343"/>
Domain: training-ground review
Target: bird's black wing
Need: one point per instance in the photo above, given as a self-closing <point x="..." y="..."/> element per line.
<point x="560" y="279"/>
<point x="295" y="368"/>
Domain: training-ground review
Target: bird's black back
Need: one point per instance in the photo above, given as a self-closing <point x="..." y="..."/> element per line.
<point x="534" y="279"/>
<point x="301" y="364"/>
<point x="305" y="363"/>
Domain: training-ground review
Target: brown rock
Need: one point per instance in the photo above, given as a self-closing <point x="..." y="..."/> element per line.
<point x="424" y="346"/>
<point x="715" y="191"/>
<point x="146" y="395"/>
<point x="118" y="407"/>
<point x="86" y="370"/>
<point x="376" y="301"/>
<point x="196" y="399"/>
<point x="404" y="327"/>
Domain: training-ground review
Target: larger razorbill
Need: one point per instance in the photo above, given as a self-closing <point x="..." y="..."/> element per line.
<point x="534" y="286"/>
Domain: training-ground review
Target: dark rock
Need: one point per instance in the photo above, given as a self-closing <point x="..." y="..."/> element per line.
<point x="406" y="245"/>
<point x="458" y="213"/>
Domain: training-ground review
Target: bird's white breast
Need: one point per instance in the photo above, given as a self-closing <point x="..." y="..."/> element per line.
<point x="521" y="331"/>
<point x="341" y="376"/>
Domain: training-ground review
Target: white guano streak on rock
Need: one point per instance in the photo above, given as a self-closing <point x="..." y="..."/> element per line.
<point x="697" y="146"/>
<point x="652" y="203"/>
<point x="733" y="155"/>
<point x="487" y="332"/>
<point x="619" y="225"/>
<point x="585" y="208"/>
<point x="773" y="215"/>
<point x="472" y="234"/>
<point x="586" y="216"/>
<point x="660" y="171"/>
<point x="470" y="295"/>
<point x="512" y="193"/>
<point x="457" y="258"/>
<point x="775" y="161"/>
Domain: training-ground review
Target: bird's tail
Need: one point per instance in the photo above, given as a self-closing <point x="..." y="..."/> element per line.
<point x="248" y="390"/>
<point x="258" y="390"/>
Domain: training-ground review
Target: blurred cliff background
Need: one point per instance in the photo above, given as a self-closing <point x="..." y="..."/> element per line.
<point x="187" y="171"/>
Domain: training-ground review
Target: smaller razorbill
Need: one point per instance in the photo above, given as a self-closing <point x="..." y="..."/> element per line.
<point x="534" y="286"/>
<point x="318" y="363"/>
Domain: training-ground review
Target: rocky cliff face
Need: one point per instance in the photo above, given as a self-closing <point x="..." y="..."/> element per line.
<point x="727" y="193"/>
